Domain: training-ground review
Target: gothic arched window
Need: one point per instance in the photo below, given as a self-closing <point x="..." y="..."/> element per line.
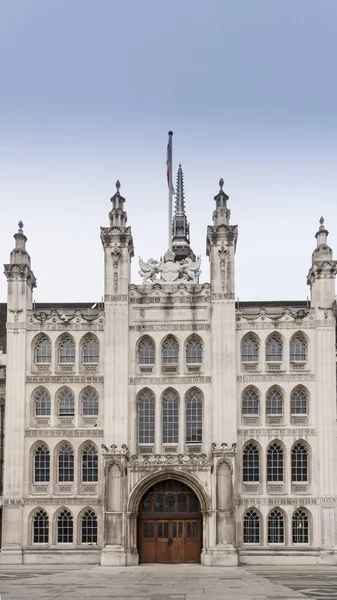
<point x="274" y="350"/>
<point x="90" y="351"/>
<point x="276" y="527"/>
<point x="251" y="527"/>
<point x="40" y="527"/>
<point x="194" y="417"/>
<point x="146" y="351"/>
<point x="299" y="463"/>
<point x="251" y="463"/>
<point x="194" y="351"/>
<point x="170" y="417"/>
<point x="66" y="404"/>
<point x="170" y="351"/>
<point x="89" y="527"/>
<point x="298" y="349"/>
<point x="65" y="527"/>
<point x="41" y="468"/>
<point x="42" y="404"/>
<point x="89" y="403"/>
<point x="275" y="463"/>
<point x="89" y="463"/>
<point x="274" y="402"/>
<point x="298" y="402"/>
<point x="146" y="417"/>
<point x="67" y="351"/>
<point x="250" y="402"/>
<point x="249" y="350"/>
<point x="65" y="463"/>
<point x="300" y="527"/>
<point x="43" y="351"/>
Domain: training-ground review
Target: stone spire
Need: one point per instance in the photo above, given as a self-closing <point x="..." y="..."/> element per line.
<point x="180" y="225"/>
<point x="20" y="264"/>
<point x="117" y="215"/>
<point x="322" y="273"/>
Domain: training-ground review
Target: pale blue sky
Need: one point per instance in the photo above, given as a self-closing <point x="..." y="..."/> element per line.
<point x="91" y="88"/>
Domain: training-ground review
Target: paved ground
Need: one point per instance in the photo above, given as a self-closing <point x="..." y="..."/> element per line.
<point x="181" y="582"/>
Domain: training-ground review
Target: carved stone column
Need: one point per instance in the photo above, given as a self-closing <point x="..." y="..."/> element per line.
<point x="115" y="534"/>
<point x="225" y="553"/>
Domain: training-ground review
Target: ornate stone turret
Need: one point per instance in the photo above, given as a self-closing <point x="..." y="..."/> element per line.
<point x="20" y="277"/>
<point x="221" y="247"/>
<point x="180" y="225"/>
<point x="322" y="273"/>
<point x="118" y="246"/>
<point x="21" y="282"/>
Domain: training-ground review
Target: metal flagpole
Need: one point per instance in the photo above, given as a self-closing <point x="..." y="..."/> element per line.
<point x="170" y="186"/>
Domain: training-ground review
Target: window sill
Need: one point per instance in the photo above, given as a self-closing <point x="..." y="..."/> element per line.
<point x="169" y="369"/>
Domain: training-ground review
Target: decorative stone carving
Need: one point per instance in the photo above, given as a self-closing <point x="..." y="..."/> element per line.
<point x="223" y="449"/>
<point x="169" y="269"/>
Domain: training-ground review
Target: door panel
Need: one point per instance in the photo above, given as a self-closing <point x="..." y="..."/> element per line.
<point x="170" y="525"/>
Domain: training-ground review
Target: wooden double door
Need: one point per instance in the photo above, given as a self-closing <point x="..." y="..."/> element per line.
<point x="169" y="524"/>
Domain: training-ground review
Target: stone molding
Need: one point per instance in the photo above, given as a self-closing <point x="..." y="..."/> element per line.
<point x="62" y="501"/>
<point x="115" y="298"/>
<point x="168" y="380"/>
<point x="276" y="432"/>
<point x="173" y="327"/>
<point x="171" y="300"/>
<point x="276" y="501"/>
<point x="275" y="378"/>
<point x="273" y="326"/>
<point x="64" y="433"/>
<point x="64" y="379"/>
<point x="63" y="327"/>
<point x="222" y="296"/>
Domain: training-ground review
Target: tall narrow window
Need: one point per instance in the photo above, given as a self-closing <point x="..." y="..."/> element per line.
<point x="170" y="417"/>
<point x="249" y="350"/>
<point x="89" y="527"/>
<point x="66" y="463"/>
<point x="193" y="417"/>
<point x="274" y="350"/>
<point x="146" y="351"/>
<point x="43" y="351"/>
<point x="251" y="463"/>
<point x="170" y="352"/>
<point x="40" y="527"/>
<point x="250" y="403"/>
<point x="251" y="527"/>
<point x="89" y="463"/>
<point x="42" y="403"/>
<point x="67" y="351"/>
<point x="298" y="350"/>
<point x="90" y="351"/>
<point x="146" y="417"/>
<point x="66" y="404"/>
<point x="275" y="463"/>
<point x="276" y="527"/>
<point x="299" y="463"/>
<point x="298" y="402"/>
<point x="89" y="403"/>
<point x="65" y="527"/>
<point x="41" y="464"/>
<point x="194" y="351"/>
<point x="274" y="403"/>
<point x="300" y="527"/>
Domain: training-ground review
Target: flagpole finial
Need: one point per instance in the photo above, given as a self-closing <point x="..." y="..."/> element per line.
<point x="170" y="132"/>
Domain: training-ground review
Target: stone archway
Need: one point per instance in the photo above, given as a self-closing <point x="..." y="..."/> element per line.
<point x="167" y="514"/>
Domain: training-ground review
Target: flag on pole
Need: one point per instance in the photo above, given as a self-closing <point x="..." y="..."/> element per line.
<point x="169" y="163"/>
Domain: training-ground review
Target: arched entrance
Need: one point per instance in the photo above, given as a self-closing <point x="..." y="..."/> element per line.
<point x="169" y="524"/>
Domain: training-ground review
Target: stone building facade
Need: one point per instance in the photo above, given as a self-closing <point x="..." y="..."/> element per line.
<point x="169" y="423"/>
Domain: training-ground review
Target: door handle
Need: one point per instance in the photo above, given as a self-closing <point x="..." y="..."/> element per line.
<point x="170" y="541"/>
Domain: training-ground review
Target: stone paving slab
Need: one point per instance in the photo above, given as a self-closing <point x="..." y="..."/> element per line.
<point x="147" y="582"/>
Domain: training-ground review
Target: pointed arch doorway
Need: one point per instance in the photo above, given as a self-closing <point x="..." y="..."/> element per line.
<point x="169" y="524"/>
